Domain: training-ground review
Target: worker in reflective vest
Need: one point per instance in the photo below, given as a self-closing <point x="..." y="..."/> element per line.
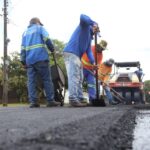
<point x="88" y="68"/>
<point x="105" y="70"/>
<point x="104" y="73"/>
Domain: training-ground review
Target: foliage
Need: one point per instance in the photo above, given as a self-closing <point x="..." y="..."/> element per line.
<point x="1" y="76"/>
<point x="59" y="46"/>
<point x="147" y="90"/>
<point x="17" y="77"/>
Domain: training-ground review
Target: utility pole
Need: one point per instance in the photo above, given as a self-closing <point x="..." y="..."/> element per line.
<point x="5" y="67"/>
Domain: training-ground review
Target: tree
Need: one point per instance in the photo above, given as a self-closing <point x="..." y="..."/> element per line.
<point x="59" y="46"/>
<point x="147" y="90"/>
<point x="17" y="77"/>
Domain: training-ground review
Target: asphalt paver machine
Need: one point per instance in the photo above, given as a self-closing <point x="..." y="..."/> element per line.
<point x="126" y="82"/>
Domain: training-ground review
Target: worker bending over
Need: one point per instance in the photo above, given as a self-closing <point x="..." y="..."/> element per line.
<point x="104" y="73"/>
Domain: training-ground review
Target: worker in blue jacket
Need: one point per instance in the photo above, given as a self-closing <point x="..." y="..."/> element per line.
<point x="79" y="43"/>
<point x="139" y="73"/>
<point x="35" y="58"/>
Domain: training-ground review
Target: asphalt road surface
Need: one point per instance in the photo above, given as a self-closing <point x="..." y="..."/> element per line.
<point x="67" y="128"/>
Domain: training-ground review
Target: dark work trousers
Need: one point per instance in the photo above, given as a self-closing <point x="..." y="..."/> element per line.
<point x="42" y="70"/>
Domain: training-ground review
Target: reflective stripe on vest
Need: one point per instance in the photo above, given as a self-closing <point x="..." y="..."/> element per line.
<point x="92" y="86"/>
<point x="33" y="46"/>
<point x="101" y="74"/>
<point x="86" y="63"/>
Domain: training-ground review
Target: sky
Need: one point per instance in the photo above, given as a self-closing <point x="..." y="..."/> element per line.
<point x="124" y="24"/>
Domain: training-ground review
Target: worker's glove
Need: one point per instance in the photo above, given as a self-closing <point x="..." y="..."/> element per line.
<point x="95" y="25"/>
<point x="95" y="67"/>
<point x="96" y="28"/>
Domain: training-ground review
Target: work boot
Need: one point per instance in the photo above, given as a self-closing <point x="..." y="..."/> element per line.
<point x="83" y="101"/>
<point x="34" y="105"/>
<point x="76" y="103"/>
<point x="53" y="103"/>
<point x="90" y="103"/>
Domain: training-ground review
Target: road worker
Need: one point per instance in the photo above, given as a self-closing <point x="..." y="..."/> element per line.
<point x="104" y="73"/>
<point x="79" y="43"/>
<point x="139" y="74"/>
<point x="35" y="58"/>
<point x="89" y="69"/>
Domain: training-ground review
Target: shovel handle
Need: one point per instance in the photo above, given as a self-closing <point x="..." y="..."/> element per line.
<point x="96" y="75"/>
<point x="121" y="97"/>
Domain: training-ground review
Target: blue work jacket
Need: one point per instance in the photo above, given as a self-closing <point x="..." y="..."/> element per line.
<point x="35" y="45"/>
<point x="80" y="41"/>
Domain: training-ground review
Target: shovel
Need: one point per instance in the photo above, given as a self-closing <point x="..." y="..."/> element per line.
<point x="116" y="94"/>
<point x="99" y="101"/>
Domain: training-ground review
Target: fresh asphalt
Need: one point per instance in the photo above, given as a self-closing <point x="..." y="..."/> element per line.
<point x="66" y="128"/>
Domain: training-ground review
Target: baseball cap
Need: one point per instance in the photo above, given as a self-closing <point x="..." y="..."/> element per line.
<point x="35" y="20"/>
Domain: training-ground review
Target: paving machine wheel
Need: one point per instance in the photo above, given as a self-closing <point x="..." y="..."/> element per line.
<point x="139" y="97"/>
<point x="128" y="97"/>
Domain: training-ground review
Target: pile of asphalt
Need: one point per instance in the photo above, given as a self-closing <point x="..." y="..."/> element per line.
<point x="110" y="129"/>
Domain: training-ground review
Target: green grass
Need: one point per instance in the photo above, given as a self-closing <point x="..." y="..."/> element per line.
<point x="15" y="105"/>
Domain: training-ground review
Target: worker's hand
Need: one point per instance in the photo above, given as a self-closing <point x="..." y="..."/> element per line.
<point x="104" y="84"/>
<point x="96" y="28"/>
<point x="95" y="67"/>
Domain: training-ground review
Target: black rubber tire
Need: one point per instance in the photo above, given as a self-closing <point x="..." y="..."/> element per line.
<point x="128" y="97"/>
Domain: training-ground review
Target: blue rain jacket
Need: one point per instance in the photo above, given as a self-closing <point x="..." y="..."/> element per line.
<point x="80" y="40"/>
<point x="35" y="45"/>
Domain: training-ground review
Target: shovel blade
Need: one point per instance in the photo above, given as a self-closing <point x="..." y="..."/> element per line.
<point x="99" y="102"/>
